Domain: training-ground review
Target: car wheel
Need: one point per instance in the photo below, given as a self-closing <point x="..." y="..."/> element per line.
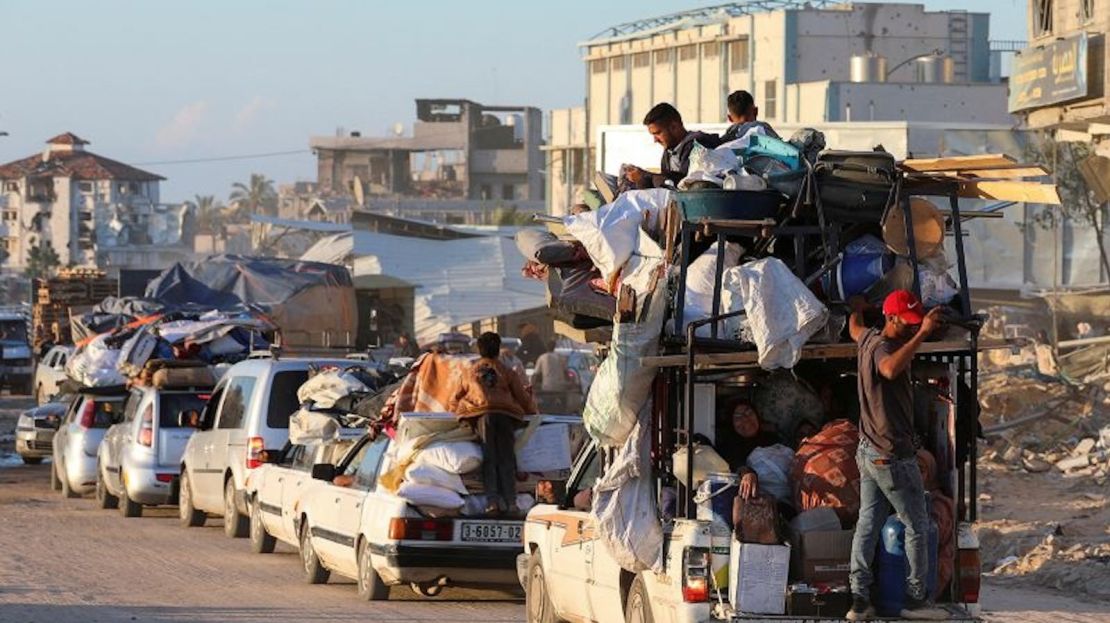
<point x="236" y="525"/>
<point x="537" y="603"/>
<point x="67" y="490"/>
<point x="104" y="499"/>
<point x="370" y="584"/>
<point x="189" y="516"/>
<point x="637" y="609"/>
<point x="127" y="506"/>
<point x="314" y="571"/>
<point x="262" y="542"/>
<point x="31" y="460"/>
<point x="55" y="482"/>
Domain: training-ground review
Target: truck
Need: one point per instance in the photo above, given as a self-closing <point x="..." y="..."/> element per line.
<point x="570" y="573"/>
<point x="16" y="366"/>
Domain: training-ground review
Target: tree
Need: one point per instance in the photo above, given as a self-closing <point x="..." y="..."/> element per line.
<point x="210" y="214"/>
<point x="42" y="260"/>
<point x="256" y="195"/>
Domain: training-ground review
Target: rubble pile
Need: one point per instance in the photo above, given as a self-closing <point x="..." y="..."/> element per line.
<point x="1075" y="568"/>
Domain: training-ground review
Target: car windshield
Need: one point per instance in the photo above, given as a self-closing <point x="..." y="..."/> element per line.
<point x="173" y="405"/>
<point x="13" y="330"/>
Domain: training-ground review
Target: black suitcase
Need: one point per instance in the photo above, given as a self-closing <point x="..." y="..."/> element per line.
<point x="855" y="185"/>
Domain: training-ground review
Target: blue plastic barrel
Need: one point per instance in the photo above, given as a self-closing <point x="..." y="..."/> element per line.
<point x="715" y="496"/>
<point x="892" y="567"/>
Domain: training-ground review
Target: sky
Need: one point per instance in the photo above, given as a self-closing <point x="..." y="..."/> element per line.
<point x="156" y="83"/>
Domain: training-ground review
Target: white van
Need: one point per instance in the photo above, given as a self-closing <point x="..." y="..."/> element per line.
<point x="247" y="415"/>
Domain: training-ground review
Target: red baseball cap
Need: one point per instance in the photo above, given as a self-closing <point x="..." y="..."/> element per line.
<point x="904" y="304"/>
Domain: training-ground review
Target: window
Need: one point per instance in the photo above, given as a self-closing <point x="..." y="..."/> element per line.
<point x="10" y="216"/>
<point x="172" y="407"/>
<point x="85" y="187"/>
<point x="367" y="474"/>
<point x="663" y="57"/>
<point x="641" y="59"/>
<point x="738" y="54"/>
<point x="132" y="406"/>
<point x="617" y="63"/>
<point x="688" y="52"/>
<point x="9" y="244"/>
<point x="597" y="66"/>
<point x="283" y="397"/>
<point x="1042" y="17"/>
<point x="1087" y="10"/>
<point x="237" y="398"/>
<point x="710" y="50"/>
<point x="770" y="99"/>
<point x="11" y="187"/>
<point x="302" y="459"/>
<point x="508" y="192"/>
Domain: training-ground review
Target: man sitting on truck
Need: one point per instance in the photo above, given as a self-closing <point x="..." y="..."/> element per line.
<point x="492" y="400"/>
<point x="665" y="125"/>
<point x="886" y="457"/>
<point x="743" y="115"/>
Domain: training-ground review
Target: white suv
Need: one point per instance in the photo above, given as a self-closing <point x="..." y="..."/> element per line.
<point x="247" y="415"/>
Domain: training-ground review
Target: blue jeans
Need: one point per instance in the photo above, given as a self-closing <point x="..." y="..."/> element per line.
<point x="895" y="483"/>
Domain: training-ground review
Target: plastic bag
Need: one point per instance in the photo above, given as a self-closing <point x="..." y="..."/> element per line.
<point x="709" y="165"/>
<point x="325" y="388"/>
<point x="457" y="457"/>
<point x="611" y="234"/>
<point x="937" y="286"/>
<point x="425" y="474"/>
<point x="429" y="495"/>
<point x="309" y="426"/>
<point x="700" y="278"/>
<point x="772" y="466"/>
<point x="95" y="366"/>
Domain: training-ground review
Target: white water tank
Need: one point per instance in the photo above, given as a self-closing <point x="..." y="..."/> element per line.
<point x="868" y="67"/>
<point x="936" y="69"/>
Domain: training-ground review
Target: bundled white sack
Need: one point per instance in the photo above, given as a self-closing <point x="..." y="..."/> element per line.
<point x="311" y="427"/>
<point x="324" y="388"/>
<point x="95" y="365"/>
<point x="457" y="457"/>
<point x="772" y="466"/>
<point x="781" y="313"/>
<point x="709" y="165"/>
<point x="611" y="233"/>
<point x="700" y="279"/>
<point x="429" y="495"/>
<point x="424" y="474"/>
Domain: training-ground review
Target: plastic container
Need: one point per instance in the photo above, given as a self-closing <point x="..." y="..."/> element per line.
<point x="892" y="567"/>
<point x="729" y="204"/>
<point x="706" y="461"/>
<point x="714" y="499"/>
<point x="856" y="273"/>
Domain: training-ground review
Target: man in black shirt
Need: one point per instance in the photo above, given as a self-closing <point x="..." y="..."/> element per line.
<point x="886" y="457"/>
<point x="664" y="123"/>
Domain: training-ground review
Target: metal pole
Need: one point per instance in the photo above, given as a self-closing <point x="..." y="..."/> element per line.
<point x="961" y="262"/>
<point x="717" y="282"/>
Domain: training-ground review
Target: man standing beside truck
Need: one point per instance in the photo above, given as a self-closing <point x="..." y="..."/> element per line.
<point x="887" y="461"/>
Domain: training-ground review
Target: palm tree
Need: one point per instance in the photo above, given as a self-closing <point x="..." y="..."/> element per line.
<point x="257" y="194"/>
<point x="210" y="214"/>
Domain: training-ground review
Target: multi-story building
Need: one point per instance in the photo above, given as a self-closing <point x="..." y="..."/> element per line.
<point x="806" y="63"/>
<point x="82" y="204"/>
<point x="463" y="158"/>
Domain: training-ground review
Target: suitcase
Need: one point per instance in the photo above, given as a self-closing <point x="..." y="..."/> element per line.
<point x="855" y="185"/>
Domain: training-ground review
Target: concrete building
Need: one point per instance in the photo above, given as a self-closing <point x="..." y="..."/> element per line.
<point x="805" y="63"/>
<point x="462" y="161"/>
<point x="91" y="209"/>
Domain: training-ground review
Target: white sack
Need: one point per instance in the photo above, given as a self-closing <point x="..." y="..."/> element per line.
<point x="457" y="457"/>
<point x="709" y="165"/>
<point x="700" y="278"/>
<point x="772" y="466"/>
<point x="424" y="474"/>
<point x="782" y="313"/>
<point x="429" y="495"/>
<point x="624" y="504"/>
<point x="95" y="365"/>
<point x="324" y="388"/>
<point x="310" y="427"/>
<point x="611" y="233"/>
<point x="937" y="285"/>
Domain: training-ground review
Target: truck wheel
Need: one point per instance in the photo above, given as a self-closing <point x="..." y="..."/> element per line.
<point x="537" y="603"/>
<point x="638" y="607"/>
<point x="104" y="499"/>
<point x="31" y="460"/>
<point x="370" y="585"/>
<point x="261" y="541"/>
<point x="314" y="571"/>
<point x="55" y="482"/>
<point x="127" y="506"/>
<point x="189" y="516"/>
<point x="236" y="524"/>
<point x="67" y="490"/>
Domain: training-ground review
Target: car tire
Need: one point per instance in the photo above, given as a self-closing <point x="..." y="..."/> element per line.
<point x="314" y="570"/>
<point x="127" y="506"/>
<point x="104" y="500"/>
<point x="67" y="490"/>
<point x="55" y="481"/>
<point x="31" y="460"/>
<point x="262" y="542"/>
<point x="537" y="602"/>
<point x="370" y="584"/>
<point x="236" y="524"/>
<point x="637" y="608"/>
<point x="190" y="517"/>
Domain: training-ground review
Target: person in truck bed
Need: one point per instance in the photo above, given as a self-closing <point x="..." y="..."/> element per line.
<point x="743" y="115"/>
<point x="665" y="125"/>
<point x="887" y="458"/>
<point x="491" y="398"/>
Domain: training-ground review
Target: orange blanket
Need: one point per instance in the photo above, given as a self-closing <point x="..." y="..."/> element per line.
<point x="429" y="386"/>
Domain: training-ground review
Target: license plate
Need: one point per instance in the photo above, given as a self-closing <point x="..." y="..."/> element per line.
<point x="490" y="532"/>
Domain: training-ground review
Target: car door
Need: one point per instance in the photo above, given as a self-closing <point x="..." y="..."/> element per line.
<point x="204" y="472"/>
<point x="272" y="480"/>
<point x="295" y="481"/>
<point x="62" y="433"/>
<point x="56" y="374"/>
<point x="115" y="441"/>
<point x="336" y="534"/>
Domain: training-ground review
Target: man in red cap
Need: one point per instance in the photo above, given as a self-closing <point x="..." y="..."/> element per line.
<point x="887" y="461"/>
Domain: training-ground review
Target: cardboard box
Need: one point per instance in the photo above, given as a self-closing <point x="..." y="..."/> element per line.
<point x="757" y="577"/>
<point x="822" y="556"/>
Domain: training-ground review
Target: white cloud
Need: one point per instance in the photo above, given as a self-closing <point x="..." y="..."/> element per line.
<point x="182" y="128"/>
<point x="247" y="114"/>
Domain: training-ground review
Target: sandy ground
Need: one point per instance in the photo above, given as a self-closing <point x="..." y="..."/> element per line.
<point x="64" y="560"/>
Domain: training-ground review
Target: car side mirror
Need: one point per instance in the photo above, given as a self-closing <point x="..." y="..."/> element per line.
<point x="323" y="471"/>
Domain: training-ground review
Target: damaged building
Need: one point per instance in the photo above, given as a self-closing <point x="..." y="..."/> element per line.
<point x="463" y="161"/>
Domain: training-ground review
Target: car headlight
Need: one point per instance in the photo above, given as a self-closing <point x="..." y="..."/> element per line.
<point x="24" y="423"/>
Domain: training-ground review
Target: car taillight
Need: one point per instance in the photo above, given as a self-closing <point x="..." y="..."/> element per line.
<point x="254" y="452"/>
<point x="695" y="574"/>
<point x="146" y="430"/>
<point x="164" y="477"/>
<point x="88" y="415"/>
<point x="421" y="529"/>
<point x="968" y="563"/>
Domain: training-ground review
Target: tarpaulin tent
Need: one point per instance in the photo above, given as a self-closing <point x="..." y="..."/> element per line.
<point x="312" y="303"/>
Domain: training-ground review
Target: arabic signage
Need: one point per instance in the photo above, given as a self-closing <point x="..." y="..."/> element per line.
<point x="1049" y="74"/>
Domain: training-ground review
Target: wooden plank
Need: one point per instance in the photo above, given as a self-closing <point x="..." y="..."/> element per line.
<point x="996" y="173"/>
<point x="1027" y="192"/>
<point x="957" y="163"/>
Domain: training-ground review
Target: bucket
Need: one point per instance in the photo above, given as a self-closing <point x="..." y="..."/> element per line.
<point x="714" y="499"/>
<point x="706" y="461"/>
<point x="729" y="204"/>
<point x="856" y="273"/>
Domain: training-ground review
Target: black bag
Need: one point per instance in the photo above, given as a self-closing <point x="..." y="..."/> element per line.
<point x="855" y="185"/>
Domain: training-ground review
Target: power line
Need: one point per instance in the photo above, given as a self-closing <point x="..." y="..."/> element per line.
<point x="224" y="158"/>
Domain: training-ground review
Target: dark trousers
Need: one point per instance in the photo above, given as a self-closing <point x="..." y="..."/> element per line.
<point x="495" y="433"/>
